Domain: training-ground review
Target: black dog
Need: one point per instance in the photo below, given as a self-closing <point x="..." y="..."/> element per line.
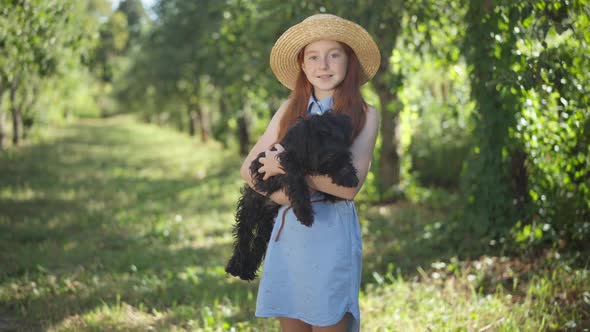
<point x="318" y="145"/>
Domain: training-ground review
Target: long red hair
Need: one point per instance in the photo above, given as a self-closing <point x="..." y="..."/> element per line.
<point x="347" y="97"/>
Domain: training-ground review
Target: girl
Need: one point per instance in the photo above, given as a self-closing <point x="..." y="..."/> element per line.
<point x="311" y="275"/>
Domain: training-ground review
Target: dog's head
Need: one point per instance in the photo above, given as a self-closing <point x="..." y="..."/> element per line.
<point x="331" y="128"/>
<point x="318" y="140"/>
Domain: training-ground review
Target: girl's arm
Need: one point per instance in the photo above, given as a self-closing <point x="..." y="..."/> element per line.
<point x="362" y="155"/>
<point x="265" y="142"/>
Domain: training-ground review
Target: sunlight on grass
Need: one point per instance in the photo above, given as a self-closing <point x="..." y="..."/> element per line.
<point x="121" y="317"/>
<point x="444" y="300"/>
<point x="22" y="194"/>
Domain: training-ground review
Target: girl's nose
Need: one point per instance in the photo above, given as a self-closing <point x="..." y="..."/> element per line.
<point x="323" y="62"/>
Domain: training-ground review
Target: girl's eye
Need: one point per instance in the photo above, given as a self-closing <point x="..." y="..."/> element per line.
<point x="335" y="55"/>
<point x="313" y="57"/>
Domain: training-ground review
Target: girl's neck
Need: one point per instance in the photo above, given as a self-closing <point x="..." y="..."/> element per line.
<point x="322" y="94"/>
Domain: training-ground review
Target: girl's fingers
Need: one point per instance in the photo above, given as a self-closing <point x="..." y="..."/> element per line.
<point x="263" y="160"/>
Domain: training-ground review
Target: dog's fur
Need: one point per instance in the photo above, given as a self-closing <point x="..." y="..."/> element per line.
<point x="318" y="145"/>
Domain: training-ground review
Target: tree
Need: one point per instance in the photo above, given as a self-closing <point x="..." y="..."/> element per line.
<point x="113" y="42"/>
<point x="38" y="38"/>
<point x="136" y="19"/>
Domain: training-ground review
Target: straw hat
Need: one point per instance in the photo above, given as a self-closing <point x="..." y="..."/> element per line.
<point x="283" y="56"/>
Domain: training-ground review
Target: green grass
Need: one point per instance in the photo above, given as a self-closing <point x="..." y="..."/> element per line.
<point x="111" y="225"/>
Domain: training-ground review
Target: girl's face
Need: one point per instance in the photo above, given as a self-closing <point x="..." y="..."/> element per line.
<point x="324" y="64"/>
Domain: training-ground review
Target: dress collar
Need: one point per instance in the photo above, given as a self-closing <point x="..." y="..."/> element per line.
<point x="319" y="107"/>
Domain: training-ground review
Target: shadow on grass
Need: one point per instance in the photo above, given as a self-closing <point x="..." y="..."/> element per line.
<point x="403" y="238"/>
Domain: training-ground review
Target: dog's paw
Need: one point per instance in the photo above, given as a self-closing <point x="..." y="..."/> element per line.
<point x="346" y="177"/>
<point x="304" y="217"/>
<point x="307" y="223"/>
<point x="232" y="267"/>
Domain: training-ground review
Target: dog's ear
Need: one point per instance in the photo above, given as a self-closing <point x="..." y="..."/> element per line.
<point x="333" y="127"/>
<point x="292" y="135"/>
<point x="345" y="121"/>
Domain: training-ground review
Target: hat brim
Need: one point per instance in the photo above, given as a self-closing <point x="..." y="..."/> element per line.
<point x="283" y="56"/>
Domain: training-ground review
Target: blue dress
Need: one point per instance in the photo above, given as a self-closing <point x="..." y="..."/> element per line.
<point x="313" y="273"/>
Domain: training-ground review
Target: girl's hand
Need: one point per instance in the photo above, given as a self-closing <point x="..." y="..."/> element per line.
<point x="271" y="165"/>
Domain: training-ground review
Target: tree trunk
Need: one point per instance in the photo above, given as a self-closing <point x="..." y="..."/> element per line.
<point x="383" y="21"/>
<point x="16" y="113"/>
<point x="219" y="131"/>
<point x="2" y="117"/>
<point x="204" y="126"/>
<point x="244" y="136"/>
<point x="491" y="211"/>
<point x="389" y="162"/>
<point x="192" y="121"/>
<point x="237" y="101"/>
<point x="28" y="117"/>
<point x="389" y="157"/>
<point x="520" y="179"/>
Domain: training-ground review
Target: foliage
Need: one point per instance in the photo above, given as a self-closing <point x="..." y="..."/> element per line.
<point x="554" y="123"/>
<point x="137" y="19"/>
<point x="437" y="114"/>
<point x="529" y="164"/>
<point x="488" y="52"/>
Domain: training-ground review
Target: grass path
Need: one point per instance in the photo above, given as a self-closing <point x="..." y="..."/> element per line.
<point x="111" y="225"/>
<point x="106" y="213"/>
